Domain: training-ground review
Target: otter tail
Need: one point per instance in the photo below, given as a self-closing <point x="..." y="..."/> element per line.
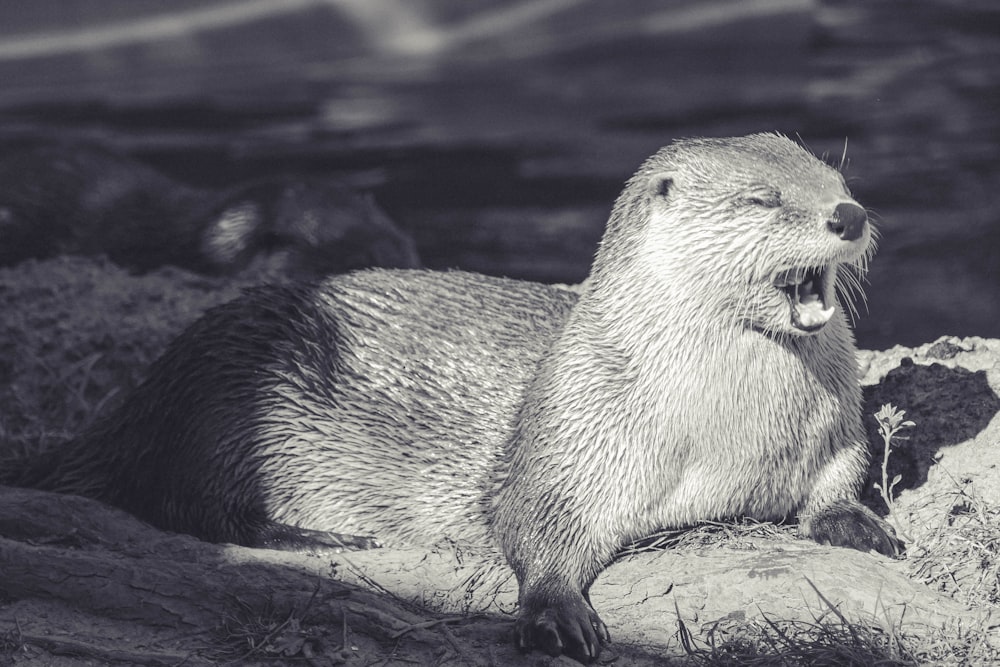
<point x="63" y="468"/>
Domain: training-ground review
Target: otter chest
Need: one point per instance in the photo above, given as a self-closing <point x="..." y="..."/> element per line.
<point x="748" y="435"/>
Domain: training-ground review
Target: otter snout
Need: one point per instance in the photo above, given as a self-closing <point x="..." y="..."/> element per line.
<point x="848" y="221"/>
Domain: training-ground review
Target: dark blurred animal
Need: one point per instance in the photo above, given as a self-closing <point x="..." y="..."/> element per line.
<point x="83" y="199"/>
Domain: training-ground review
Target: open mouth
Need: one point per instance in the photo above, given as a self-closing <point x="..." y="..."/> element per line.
<point x="806" y="291"/>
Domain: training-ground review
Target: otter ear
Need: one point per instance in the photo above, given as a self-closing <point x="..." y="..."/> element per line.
<point x="660" y="185"/>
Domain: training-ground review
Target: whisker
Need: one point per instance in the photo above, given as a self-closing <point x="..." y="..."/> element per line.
<point x="845" y="289"/>
<point x="849" y="287"/>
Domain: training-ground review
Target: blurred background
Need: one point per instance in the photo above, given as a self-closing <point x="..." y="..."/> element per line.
<point x="498" y="132"/>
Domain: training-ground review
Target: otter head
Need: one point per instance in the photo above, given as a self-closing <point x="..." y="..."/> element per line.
<point x="308" y="228"/>
<point x="749" y="232"/>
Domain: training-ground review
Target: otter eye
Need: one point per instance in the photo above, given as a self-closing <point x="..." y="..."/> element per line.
<point x="765" y="198"/>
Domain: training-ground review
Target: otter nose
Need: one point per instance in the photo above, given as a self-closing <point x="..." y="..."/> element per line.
<point x="848" y="221"/>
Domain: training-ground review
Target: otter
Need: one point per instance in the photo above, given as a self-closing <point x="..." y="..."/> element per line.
<point x="85" y="199"/>
<point x="705" y="371"/>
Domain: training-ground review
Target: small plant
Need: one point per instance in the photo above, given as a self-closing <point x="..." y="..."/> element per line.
<point x="890" y="422"/>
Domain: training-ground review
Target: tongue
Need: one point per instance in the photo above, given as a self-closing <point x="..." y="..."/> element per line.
<point x="808" y="312"/>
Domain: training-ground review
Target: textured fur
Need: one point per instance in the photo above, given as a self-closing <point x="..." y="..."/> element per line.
<point x="679" y="390"/>
<point x="416" y="407"/>
<point x="330" y="407"/>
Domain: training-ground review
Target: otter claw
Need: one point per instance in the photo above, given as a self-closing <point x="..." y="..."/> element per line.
<point x="851" y="524"/>
<point x="573" y="629"/>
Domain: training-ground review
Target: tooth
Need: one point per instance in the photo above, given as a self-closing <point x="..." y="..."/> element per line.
<point x="815" y="318"/>
<point x="824" y="315"/>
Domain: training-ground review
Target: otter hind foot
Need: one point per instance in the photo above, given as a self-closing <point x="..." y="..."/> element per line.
<point x="569" y="626"/>
<point x="293" y="538"/>
<point x="848" y="523"/>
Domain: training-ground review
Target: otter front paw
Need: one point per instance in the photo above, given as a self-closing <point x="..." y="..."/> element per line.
<point x="850" y="524"/>
<point x="569" y="626"/>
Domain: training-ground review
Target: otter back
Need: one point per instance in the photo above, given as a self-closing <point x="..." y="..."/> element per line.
<point x="369" y="404"/>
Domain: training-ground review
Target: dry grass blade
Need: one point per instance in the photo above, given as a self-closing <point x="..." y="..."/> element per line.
<point x="961" y="555"/>
<point x="831" y="639"/>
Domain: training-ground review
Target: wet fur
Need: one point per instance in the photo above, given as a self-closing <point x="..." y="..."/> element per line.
<point x="311" y="406"/>
<point x="416" y="407"/>
<point x="711" y="406"/>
